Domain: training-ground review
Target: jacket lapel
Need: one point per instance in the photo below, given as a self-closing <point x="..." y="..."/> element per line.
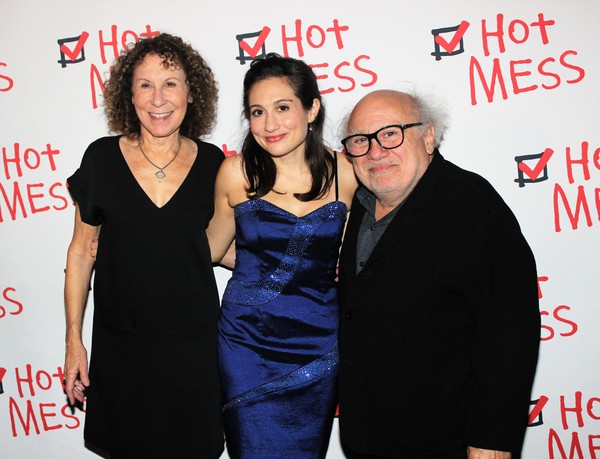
<point x="409" y="216"/>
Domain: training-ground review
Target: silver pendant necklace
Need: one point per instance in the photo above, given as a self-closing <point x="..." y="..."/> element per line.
<point x="160" y="174"/>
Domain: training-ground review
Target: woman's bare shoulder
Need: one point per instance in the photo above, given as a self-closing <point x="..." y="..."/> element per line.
<point x="232" y="167"/>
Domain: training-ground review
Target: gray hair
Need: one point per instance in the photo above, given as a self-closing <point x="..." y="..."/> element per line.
<point x="431" y="111"/>
<point x="428" y="109"/>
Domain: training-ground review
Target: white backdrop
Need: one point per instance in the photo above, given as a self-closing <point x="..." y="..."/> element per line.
<point x="520" y="79"/>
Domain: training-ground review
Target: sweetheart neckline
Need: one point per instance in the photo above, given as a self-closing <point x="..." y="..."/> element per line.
<point x="287" y="211"/>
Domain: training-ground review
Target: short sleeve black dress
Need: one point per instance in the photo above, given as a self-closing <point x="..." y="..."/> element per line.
<point x="154" y="388"/>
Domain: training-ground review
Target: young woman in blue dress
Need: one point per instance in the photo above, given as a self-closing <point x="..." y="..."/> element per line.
<point x="284" y="200"/>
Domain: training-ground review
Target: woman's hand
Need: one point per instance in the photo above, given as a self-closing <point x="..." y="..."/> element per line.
<point x="76" y="372"/>
<point x="478" y="453"/>
<point x="94" y="249"/>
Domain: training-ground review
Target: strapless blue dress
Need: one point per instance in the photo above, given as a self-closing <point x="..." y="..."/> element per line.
<point x="278" y="353"/>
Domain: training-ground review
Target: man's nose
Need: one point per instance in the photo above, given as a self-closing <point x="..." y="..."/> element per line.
<point x="376" y="151"/>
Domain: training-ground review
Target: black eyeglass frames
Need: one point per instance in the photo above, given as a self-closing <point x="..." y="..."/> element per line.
<point x="387" y="137"/>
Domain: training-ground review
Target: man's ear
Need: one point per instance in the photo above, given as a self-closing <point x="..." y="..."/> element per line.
<point x="430" y="139"/>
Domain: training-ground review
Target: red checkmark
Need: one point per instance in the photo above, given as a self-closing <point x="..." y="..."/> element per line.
<point x="72" y="55"/>
<point x="227" y="151"/>
<point x="452" y="44"/>
<point x="253" y="50"/>
<point x="537" y="409"/>
<point x="539" y="167"/>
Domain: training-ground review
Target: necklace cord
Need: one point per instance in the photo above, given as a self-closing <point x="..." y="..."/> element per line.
<point x="160" y="173"/>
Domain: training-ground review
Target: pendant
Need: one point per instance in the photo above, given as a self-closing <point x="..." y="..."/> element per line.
<point x="160" y="174"/>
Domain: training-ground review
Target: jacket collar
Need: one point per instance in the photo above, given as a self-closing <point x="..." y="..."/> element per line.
<point x="409" y="213"/>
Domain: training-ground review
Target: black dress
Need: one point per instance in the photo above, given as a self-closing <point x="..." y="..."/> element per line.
<point x="154" y="388"/>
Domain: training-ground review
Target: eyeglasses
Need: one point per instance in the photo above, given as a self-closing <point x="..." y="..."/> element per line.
<point x="387" y="137"/>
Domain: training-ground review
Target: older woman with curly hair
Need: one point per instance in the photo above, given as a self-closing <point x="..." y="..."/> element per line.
<point x="152" y="389"/>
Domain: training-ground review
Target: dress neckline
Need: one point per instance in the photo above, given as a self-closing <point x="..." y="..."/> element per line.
<point x="181" y="185"/>
<point x="285" y="211"/>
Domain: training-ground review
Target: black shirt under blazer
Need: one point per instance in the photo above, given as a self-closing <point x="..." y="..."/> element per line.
<point x="439" y="332"/>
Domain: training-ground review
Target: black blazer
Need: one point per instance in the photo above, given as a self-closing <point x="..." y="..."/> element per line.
<point x="439" y="332"/>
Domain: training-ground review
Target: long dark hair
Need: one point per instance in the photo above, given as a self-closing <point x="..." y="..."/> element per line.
<point x="259" y="166"/>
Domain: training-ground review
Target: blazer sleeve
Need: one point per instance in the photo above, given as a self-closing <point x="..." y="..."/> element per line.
<point x="503" y="299"/>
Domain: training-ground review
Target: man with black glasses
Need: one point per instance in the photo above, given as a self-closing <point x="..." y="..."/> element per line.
<point x="440" y="323"/>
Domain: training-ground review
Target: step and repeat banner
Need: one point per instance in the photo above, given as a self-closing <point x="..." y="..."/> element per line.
<point x="519" y="78"/>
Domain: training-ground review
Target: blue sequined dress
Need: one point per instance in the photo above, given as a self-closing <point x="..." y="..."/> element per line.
<point x="278" y="332"/>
